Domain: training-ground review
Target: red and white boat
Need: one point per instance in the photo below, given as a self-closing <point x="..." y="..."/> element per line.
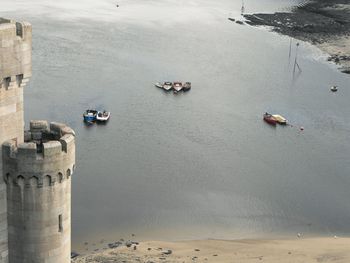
<point x="270" y="119"/>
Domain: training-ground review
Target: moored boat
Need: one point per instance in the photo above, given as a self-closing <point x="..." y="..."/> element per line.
<point x="334" y="88"/>
<point x="280" y="119"/>
<point x="186" y="86"/>
<point x="90" y="115"/>
<point x="269" y="119"/>
<point x="177" y="86"/>
<point x="159" y="85"/>
<point x="167" y="85"/>
<point x="103" y="116"/>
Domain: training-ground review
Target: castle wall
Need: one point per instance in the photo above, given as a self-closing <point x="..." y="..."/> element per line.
<point x="15" y="71"/>
<point x="38" y="178"/>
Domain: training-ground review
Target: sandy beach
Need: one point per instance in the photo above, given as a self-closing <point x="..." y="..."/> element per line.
<point x="220" y="251"/>
<point x="338" y="48"/>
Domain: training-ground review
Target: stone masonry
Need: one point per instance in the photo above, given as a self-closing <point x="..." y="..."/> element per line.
<point x="38" y="178"/>
<point x="15" y="71"/>
<point x="35" y="189"/>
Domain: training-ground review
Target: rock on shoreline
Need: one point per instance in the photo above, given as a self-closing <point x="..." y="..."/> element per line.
<point x="324" y="23"/>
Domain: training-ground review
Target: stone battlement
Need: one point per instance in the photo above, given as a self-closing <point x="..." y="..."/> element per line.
<point x="12" y="29"/>
<point x="48" y="152"/>
<point x="41" y="141"/>
<point x="15" y="52"/>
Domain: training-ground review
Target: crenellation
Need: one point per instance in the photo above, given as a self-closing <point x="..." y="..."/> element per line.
<point x="15" y="51"/>
<point x="38" y="125"/>
<point x="41" y="143"/>
<point x="52" y="149"/>
<point x="26" y="150"/>
<point x="67" y="142"/>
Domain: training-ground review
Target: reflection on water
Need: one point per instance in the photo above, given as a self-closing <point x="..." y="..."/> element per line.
<point x="200" y="164"/>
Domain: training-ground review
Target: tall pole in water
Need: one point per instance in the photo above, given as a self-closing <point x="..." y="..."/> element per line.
<point x="242" y="8"/>
<point x="290" y="50"/>
<point x="295" y="61"/>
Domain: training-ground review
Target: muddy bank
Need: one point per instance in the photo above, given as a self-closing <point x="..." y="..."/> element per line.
<point x="324" y="23"/>
<point x="219" y="251"/>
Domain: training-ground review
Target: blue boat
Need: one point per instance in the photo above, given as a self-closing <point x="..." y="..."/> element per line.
<point x="90" y="115"/>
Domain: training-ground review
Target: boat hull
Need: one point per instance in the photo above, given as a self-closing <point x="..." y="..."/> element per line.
<point x="280" y="119"/>
<point x="89" y="118"/>
<point x="158" y="85"/>
<point x="167" y="88"/>
<point x="269" y="119"/>
<point x="90" y="115"/>
<point x="186" y="86"/>
<point x="104" y="117"/>
<point x="177" y="86"/>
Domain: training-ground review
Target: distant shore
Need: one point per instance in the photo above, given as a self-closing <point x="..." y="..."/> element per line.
<point x="324" y="23"/>
<point x="301" y="249"/>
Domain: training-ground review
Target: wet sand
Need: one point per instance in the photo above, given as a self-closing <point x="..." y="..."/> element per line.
<point x="221" y="251"/>
<point x="324" y="23"/>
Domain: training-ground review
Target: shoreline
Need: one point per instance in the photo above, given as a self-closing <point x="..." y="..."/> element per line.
<point x="323" y="23"/>
<point x="317" y="249"/>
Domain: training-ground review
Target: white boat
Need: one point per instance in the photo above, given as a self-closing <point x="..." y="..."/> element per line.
<point x="177" y="86"/>
<point x="167" y="85"/>
<point x="159" y="85"/>
<point x="103" y="116"/>
<point x="334" y="88"/>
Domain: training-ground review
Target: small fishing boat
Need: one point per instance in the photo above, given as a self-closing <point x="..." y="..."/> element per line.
<point x="186" y="86"/>
<point x="334" y="88"/>
<point x="269" y="119"/>
<point x="177" y="86"/>
<point x="103" y="116"/>
<point x="167" y="85"/>
<point x="159" y="85"/>
<point x="90" y="115"/>
<point x="280" y="119"/>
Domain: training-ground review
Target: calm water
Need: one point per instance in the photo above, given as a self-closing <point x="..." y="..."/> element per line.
<point x="201" y="164"/>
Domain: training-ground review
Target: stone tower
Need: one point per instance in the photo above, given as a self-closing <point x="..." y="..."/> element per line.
<point x="35" y="189"/>
<point x="15" y="71"/>
<point x="38" y="178"/>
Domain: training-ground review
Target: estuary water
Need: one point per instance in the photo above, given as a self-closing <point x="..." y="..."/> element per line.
<point x="201" y="164"/>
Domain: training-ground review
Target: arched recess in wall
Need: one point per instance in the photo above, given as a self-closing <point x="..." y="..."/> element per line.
<point x="68" y="173"/>
<point x="60" y="177"/>
<point x="47" y="180"/>
<point x="34" y="181"/>
<point x="20" y="181"/>
<point x="7" y="177"/>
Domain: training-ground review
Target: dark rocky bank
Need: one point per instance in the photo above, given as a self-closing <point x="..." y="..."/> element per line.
<point x="318" y="22"/>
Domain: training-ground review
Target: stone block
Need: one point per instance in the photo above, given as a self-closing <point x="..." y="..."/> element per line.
<point x="38" y="125"/>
